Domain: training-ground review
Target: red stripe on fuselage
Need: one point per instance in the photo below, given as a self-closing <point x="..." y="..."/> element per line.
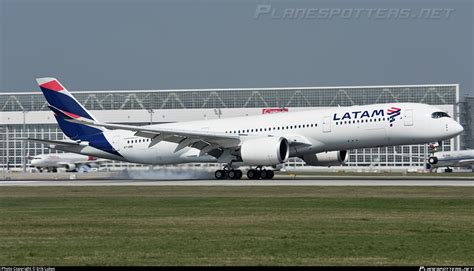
<point x="53" y="85"/>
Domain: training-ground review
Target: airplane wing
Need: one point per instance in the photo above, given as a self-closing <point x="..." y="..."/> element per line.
<point x="202" y="140"/>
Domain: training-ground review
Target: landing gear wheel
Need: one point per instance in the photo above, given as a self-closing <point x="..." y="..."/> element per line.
<point x="252" y="174"/>
<point x="433" y="160"/>
<point x="271" y="174"/>
<point x="239" y="174"/>
<point x="448" y="170"/>
<point x="220" y="174"/>
<point x="267" y="174"/>
<point x="232" y="174"/>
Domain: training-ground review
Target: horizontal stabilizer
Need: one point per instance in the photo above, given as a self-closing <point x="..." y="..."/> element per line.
<point x="51" y="142"/>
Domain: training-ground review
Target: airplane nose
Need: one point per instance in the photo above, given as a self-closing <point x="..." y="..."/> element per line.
<point x="457" y="128"/>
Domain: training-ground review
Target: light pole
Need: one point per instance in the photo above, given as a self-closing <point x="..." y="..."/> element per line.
<point x="218" y="112"/>
<point x="23" y="142"/>
<point x="151" y="115"/>
<point x="4" y="153"/>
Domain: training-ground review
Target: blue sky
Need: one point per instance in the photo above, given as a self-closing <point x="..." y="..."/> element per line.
<point x="106" y="44"/>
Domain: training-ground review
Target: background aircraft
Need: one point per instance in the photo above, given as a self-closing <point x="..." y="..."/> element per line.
<point x="319" y="137"/>
<point x="449" y="159"/>
<point x="68" y="161"/>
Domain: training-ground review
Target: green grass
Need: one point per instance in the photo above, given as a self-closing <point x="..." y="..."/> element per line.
<point x="236" y="226"/>
<point x="381" y="174"/>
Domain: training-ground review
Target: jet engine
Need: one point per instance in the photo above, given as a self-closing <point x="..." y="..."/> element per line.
<point x="433" y="160"/>
<point x="70" y="167"/>
<point x="332" y="158"/>
<point x="265" y="151"/>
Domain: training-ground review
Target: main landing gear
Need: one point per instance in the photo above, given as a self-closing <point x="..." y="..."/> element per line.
<point x="259" y="173"/>
<point x="448" y="170"/>
<point x="252" y="174"/>
<point x="228" y="173"/>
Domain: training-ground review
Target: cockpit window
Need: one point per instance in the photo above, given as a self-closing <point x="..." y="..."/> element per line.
<point x="437" y="115"/>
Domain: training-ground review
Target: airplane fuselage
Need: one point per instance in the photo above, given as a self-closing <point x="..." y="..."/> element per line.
<point x="327" y="129"/>
<point x="464" y="158"/>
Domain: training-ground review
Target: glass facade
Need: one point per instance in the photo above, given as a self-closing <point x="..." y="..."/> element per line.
<point x="239" y="98"/>
<point x="405" y="156"/>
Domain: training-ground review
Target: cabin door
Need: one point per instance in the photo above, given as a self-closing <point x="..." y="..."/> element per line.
<point x="327" y="124"/>
<point x="116" y="142"/>
<point x="408" y="117"/>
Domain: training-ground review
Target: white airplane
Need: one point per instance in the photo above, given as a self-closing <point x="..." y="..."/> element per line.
<point x="447" y="159"/>
<point x="320" y="137"/>
<point x="450" y="159"/>
<point x="68" y="161"/>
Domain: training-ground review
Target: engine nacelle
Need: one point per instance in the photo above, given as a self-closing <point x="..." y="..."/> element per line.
<point x="265" y="151"/>
<point x="70" y="167"/>
<point x="332" y="158"/>
<point x="433" y="160"/>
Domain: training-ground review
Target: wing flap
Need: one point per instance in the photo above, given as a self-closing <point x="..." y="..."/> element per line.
<point x="172" y="135"/>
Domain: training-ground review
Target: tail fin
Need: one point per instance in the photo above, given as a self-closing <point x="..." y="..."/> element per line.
<point x="65" y="106"/>
<point x="58" y="97"/>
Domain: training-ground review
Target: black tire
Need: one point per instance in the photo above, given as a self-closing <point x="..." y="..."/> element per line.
<point x="448" y="170"/>
<point x="252" y="174"/>
<point x="264" y="174"/>
<point x="239" y="174"/>
<point x="433" y="160"/>
<point x="232" y="174"/>
<point x="54" y="170"/>
<point x="220" y="174"/>
<point x="271" y="174"/>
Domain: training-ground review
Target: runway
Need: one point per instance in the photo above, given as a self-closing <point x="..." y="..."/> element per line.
<point x="280" y="182"/>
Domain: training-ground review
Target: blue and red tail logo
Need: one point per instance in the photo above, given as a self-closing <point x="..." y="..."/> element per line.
<point x="392" y="113"/>
<point x="66" y="107"/>
<point x="58" y="97"/>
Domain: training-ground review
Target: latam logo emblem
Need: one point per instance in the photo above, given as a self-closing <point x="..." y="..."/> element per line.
<point x="392" y="113"/>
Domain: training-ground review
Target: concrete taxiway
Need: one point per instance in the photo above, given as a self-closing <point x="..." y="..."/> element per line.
<point x="280" y="182"/>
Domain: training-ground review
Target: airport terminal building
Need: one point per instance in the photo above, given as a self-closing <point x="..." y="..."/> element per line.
<point x="27" y="115"/>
